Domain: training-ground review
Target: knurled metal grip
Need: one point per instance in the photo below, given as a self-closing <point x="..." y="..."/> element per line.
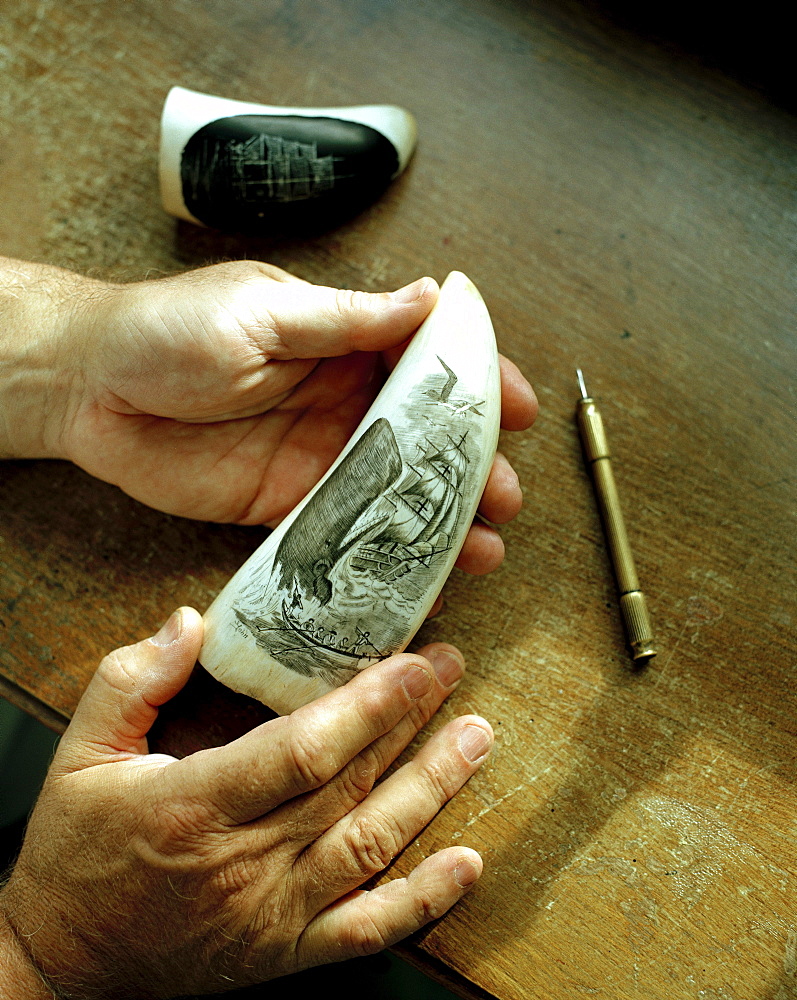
<point x="637" y="625"/>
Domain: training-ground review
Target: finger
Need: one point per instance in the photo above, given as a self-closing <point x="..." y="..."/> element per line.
<point x="302" y="821"/>
<point x="314" y="321"/>
<point x="502" y="497"/>
<point x="482" y="552"/>
<point x="437" y="607"/>
<point x="334" y="381"/>
<point x="392" y="355"/>
<point x="518" y="401"/>
<point x="121" y="702"/>
<point x="297" y="753"/>
<point x="304" y="384"/>
<point x="367" y="922"/>
<point x="366" y="840"/>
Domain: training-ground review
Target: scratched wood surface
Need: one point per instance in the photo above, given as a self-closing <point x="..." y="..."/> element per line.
<point x="622" y="207"/>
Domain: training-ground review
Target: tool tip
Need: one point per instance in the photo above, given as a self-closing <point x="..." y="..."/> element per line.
<point x="581" y="385"/>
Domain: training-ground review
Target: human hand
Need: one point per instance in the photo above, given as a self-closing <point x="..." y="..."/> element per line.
<point x="142" y="876"/>
<point x="226" y="393"/>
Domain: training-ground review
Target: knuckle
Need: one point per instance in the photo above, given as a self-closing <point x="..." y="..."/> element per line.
<point x="353" y="307"/>
<point x="372" y="843"/>
<point x="309" y="759"/>
<point x="222" y="804"/>
<point x="440" y="782"/>
<point x="376" y="708"/>
<point x="177" y="828"/>
<point x="419" y="714"/>
<point x="114" y="670"/>
<point x="258" y="269"/>
<point x="365" y="936"/>
<point x="427" y="907"/>
<point x="358" y="779"/>
<point x="348" y="301"/>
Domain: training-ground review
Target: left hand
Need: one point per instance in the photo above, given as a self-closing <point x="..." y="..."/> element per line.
<point x="142" y="876"/>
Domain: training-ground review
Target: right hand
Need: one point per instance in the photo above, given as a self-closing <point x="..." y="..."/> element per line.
<point x="143" y="876"/>
<point x="222" y="394"/>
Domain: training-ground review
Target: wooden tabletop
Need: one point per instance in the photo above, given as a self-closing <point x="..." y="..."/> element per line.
<point x="622" y="208"/>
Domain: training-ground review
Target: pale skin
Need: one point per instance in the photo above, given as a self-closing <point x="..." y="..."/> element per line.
<point x="224" y="394"/>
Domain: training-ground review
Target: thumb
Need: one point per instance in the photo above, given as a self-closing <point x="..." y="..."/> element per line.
<point x="313" y="321"/>
<point x="121" y="703"/>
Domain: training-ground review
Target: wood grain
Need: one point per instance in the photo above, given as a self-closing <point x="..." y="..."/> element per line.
<point x="622" y="208"/>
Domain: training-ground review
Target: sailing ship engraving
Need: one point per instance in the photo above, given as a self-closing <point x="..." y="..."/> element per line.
<point x="349" y="573"/>
<point x="259" y="168"/>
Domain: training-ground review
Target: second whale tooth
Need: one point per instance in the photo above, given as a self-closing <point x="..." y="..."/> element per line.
<point x="352" y="572"/>
<point x="261" y="168"/>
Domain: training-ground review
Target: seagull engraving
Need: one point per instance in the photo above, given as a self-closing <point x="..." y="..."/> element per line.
<point x="441" y="396"/>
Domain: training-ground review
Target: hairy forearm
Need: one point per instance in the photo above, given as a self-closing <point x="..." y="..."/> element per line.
<point x="19" y="979"/>
<point x="41" y="355"/>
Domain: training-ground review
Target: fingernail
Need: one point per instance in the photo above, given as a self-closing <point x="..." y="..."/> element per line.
<point x="416" y="682"/>
<point x="170" y="631"/>
<point x="411" y="293"/>
<point x="466" y="873"/>
<point x="474" y="742"/>
<point x="447" y="665"/>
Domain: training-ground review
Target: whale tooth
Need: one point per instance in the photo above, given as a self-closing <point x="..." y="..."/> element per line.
<point x="236" y="165"/>
<point x="352" y="572"/>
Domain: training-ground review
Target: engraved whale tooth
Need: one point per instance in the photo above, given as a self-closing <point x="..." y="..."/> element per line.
<point x="352" y="572"/>
<point x="236" y="165"/>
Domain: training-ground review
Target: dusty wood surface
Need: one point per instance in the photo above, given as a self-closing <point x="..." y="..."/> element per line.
<point x="621" y="208"/>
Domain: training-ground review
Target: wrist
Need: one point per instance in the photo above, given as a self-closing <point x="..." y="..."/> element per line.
<point x="19" y="978"/>
<point x="42" y="356"/>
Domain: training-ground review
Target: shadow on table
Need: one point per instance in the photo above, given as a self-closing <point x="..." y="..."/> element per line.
<point x="564" y="825"/>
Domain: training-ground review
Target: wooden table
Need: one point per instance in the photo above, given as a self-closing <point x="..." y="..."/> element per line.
<point x="622" y="208"/>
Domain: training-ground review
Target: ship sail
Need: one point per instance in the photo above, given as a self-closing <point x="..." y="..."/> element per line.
<point x="442" y="483"/>
<point x="426" y="505"/>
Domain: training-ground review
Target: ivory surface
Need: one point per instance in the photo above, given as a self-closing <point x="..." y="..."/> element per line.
<point x="237" y="164"/>
<point x="351" y="574"/>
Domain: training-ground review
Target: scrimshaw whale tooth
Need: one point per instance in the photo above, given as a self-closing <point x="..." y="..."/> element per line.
<point x="352" y="572"/>
<point x="255" y="167"/>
